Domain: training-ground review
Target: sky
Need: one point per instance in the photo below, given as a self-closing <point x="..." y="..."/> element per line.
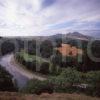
<point x="48" y="17"/>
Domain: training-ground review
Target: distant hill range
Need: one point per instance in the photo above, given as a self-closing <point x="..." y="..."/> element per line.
<point x="77" y="35"/>
<point x="74" y="35"/>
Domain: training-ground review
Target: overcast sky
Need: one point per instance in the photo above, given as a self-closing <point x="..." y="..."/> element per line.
<point x="47" y="17"/>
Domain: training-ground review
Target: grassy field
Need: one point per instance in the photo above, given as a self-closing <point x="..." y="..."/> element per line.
<point x="55" y="96"/>
<point x="31" y="58"/>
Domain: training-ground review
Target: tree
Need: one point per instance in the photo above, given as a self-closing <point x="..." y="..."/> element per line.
<point x="44" y="68"/>
<point x="58" y="42"/>
<point x="7" y="47"/>
<point x="6" y="83"/>
<point x="71" y="75"/>
<point x="66" y="80"/>
<point x="93" y="79"/>
<point x="32" y="47"/>
<point x="46" y="49"/>
<point x="56" y="59"/>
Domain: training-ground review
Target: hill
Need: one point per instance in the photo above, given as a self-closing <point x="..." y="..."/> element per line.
<point x="74" y="35"/>
<point x="77" y="35"/>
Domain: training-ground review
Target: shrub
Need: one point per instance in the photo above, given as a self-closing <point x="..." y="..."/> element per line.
<point x="55" y="70"/>
<point x="6" y="83"/>
<point x="93" y="79"/>
<point x="38" y="87"/>
<point x="46" y="49"/>
<point x="32" y="86"/>
<point x="65" y="81"/>
<point x="32" y="47"/>
<point x="44" y="68"/>
<point x="7" y="46"/>
<point x="61" y="85"/>
<point x="71" y="75"/>
<point x="33" y="65"/>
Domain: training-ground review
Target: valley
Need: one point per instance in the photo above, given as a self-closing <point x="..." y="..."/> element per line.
<point x="55" y="64"/>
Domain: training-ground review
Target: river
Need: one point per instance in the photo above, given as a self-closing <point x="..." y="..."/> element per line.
<point x="19" y="74"/>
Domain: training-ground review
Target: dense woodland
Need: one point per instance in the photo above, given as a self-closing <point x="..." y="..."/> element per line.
<point x="45" y="49"/>
<point x="44" y="54"/>
<point x="6" y="81"/>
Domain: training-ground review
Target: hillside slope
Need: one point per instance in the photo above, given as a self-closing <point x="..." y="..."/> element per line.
<point x="56" y="96"/>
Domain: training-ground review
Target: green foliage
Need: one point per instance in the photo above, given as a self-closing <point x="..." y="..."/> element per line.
<point x="6" y="47"/>
<point x="55" y="70"/>
<point x="58" y="42"/>
<point x="65" y="81"/>
<point x="32" y="47"/>
<point x="6" y="83"/>
<point x="96" y="48"/>
<point x="49" y="86"/>
<point x="71" y="75"/>
<point x="36" y="86"/>
<point x="32" y="86"/>
<point x="32" y="61"/>
<point x="56" y="59"/>
<point x="93" y="77"/>
<point x="44" y="68"/>
<point x="46" y="49"/>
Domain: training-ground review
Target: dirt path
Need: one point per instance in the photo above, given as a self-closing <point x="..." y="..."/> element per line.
<point x="55" y="96"/>
<point x="25" y="72"/>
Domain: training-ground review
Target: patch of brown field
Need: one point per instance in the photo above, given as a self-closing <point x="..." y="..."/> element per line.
<point x="55" y="96"/>
<point x="68" y="50"/>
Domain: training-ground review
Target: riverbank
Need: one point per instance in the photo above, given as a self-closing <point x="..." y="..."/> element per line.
<point x="26" y="72"/>
<point x="21" y="75"/>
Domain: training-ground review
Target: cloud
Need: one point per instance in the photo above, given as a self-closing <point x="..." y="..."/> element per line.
<point x="42" y="17"/>
<point x="47" y="3"/>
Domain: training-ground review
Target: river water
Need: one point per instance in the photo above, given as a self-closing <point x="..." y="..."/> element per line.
<point x="13" y="70"/>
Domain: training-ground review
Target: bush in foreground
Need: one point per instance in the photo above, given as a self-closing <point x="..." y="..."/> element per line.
<point x="37" y="87"/>
<point x="69" y="81"/>
<point x="93" y="78"/>
<point x="6" y="83"/>
<point x="44" y="68"/>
